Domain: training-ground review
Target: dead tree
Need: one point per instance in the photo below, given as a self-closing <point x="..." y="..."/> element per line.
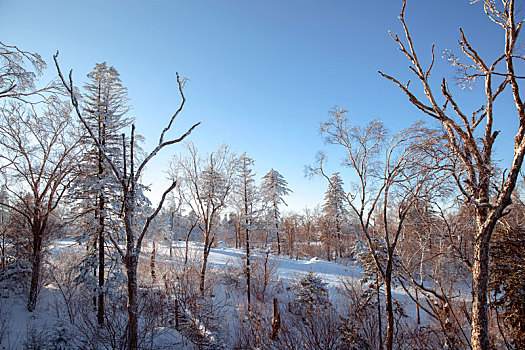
<point x="472" y="139"/>
<point x="128" y="179"/>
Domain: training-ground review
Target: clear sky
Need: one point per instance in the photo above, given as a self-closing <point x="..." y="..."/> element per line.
<point x="263" y="74"/>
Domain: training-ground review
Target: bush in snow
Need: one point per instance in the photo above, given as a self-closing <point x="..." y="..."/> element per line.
<point x="311" y="293"/>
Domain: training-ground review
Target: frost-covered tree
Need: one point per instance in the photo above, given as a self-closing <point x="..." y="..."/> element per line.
<point x="38" y="153"/>
<point x="334" y="209"/>
<point x="311" y="293"/>
<point x="206" y="184"/>
<point x="128" y="178"/>
<point x="17" y="81"/>
<point x="391" y="177"/>
<point x="273" y="188"/>
<point x="96" y="189"/>
<point x="471" y="134"/>
<point x="246" y="200"/>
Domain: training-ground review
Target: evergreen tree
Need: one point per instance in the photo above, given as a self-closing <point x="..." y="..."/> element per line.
<point x="311" y="295"/>
<point x="334" y="209"/>
<point x="105" y="104"/>
<point x="273" y="188"/>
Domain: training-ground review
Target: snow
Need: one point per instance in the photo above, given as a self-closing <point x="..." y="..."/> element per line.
<point x="289" y="270"/>
<point x="223" y="258"/>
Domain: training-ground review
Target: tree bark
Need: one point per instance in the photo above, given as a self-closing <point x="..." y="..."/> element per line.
<point x="131" y="269"/>
<point x="101" y="262"/>
<point x="379" y="317"/>
<point x="248" y="267"/>
<point x="277" y="230"/>
<point x="152" y="264"/>
<point x="205" y="253"/>
<point x="389" y="341"/>
<point x="38" y="227"/>
<point x="35" y="272"/>
<point x="480" y="280"/>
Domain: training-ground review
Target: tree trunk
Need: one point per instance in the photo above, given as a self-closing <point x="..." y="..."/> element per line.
<point x="276" y="321"/>
<point x="101" y="262"/>
<point x="152" y="264"/>
<point x="277" y="231"/>
<point x="187" y="247"/>
<point x="35" y="272"/>
<point x="379" y="318"/>
<point x="480" y="280"/>
<point x="248" y="268"/>
<point x="339" y="245"/>
<point x="100" y="213"/>
<point x="37" y="228"/>
<point x="206" y="252"/>
<point x="4" y="257"/>
<point x="170" y="240"/>
<point x="389" y="341"/>
<point x="131" y="269"/>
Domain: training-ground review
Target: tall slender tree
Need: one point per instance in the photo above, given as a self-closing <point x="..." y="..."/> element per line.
<point x="389" y="181"/>
<point x="105" y="104"/>
<point x="334" y="209"/>
<point x="246" y="193"/>
<point x="206" y="185"/>
<point x="273" y="188"/>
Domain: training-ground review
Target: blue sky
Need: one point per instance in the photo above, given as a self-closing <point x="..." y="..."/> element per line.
<point x="263" y="74"/>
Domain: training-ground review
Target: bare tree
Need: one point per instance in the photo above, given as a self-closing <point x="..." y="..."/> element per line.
<point x="472" y="139"/>
<point x="246" y="198"/>
<point x="206" y="183"/>
<point x="128" y="179"/>
<point x="389" y="182"/>
<point x="39" y="149"/>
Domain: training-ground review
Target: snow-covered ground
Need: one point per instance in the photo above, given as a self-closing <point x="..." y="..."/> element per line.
<point x="288" y="270"/>
<point x="19" y="322"/>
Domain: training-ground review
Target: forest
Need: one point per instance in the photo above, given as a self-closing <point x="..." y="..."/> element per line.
<point x="419" y="242"/>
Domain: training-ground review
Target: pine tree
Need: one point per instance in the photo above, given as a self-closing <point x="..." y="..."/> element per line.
<point x="97" y="188"/>
<point x="311" y="294"/>
<point x="334" y="209"/>
<point x="273" y="188"/>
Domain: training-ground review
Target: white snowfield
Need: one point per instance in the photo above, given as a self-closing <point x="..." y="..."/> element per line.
<point x="289" y="270"/>
<point x="20" y="321"/>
